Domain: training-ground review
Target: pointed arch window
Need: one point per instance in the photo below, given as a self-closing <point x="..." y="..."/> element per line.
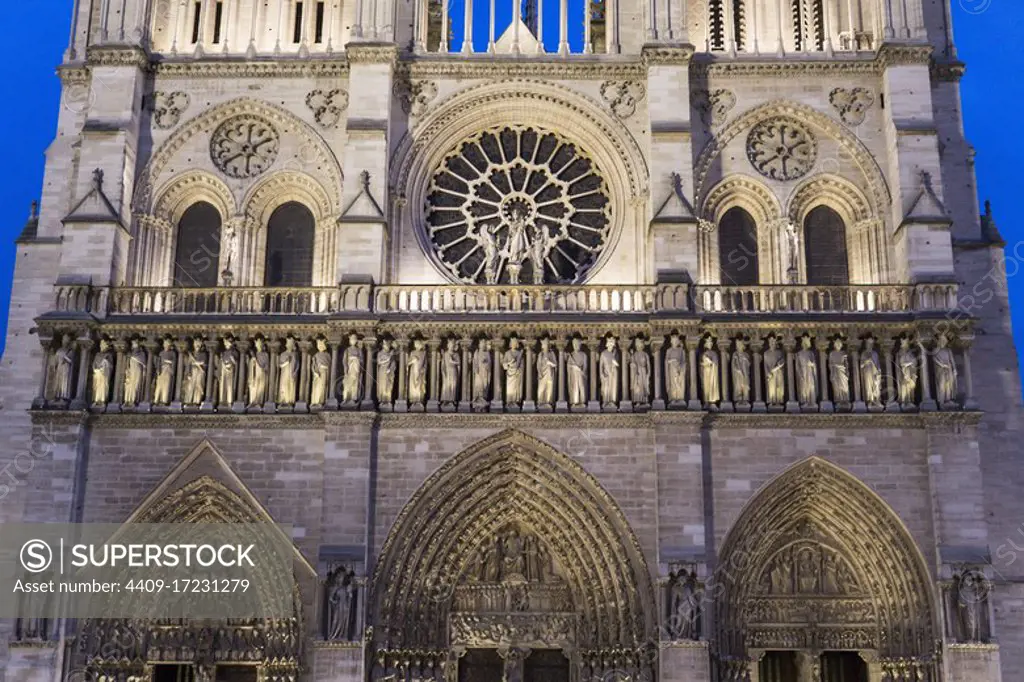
<point x="290" y="234"/>
<point x="825" y="247"/>
<point x="197" y="249"/>
<point x="737" y="248"/>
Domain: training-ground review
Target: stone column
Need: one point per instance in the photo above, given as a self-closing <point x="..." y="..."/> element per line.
<point x="792" y="404"/>
<point x="529" y="401"/>
<point x="434" y="378"/>
<point x="497" y="405"/>
<point x="858" y="399"/>
<point x="41" y="396"/>
<point x="153" y="347"/>
<point x="402" y="346"/>
<point x="270" y="406"/>
<point x="889" y="397"/>
<point x="561" y="404"/>
<point x="970" y="403"/>
<point x="369" y="365"/>
<point x="242" y="346"/>
<point x="824" y="404"/>
<point x="81" y="400"/>
<point x="695" y="402"/>
<point x="723" y="364"/>
<point x="625" y="397"/>
<point x="928" y="403"/>
<point x="592" y="346"/>
<point x="302" y="400"/>
<point x="120" y="346"/>
<point x="658" y="399"/>
<point x="212" y="356"/>
<point x="332" y="389"/>
<point x="756" y="348"/>
<point x="466" y="402"/>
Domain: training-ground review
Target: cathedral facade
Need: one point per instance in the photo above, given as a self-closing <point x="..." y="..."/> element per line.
<point x="660" y="340"/>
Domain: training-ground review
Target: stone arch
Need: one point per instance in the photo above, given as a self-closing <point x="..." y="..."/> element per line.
<point x="528" y="102"/>
<point x="512" y="478"/>
<point x="885" y="605"/>
<point x="760" y="202"/>
<point x="175" y="196"/>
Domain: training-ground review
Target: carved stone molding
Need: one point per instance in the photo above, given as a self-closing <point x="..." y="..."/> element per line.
<point x="498" y="69"/>
<point x="245" y="146"/>
<point x="714" y="106"/>
<point x="168" y="108"/>
<point x="550" y="631"/>
<point x="852" y="104"/>
<point x="622" y="97"/>
<point x="414" y="95"/>
<point x="327" y="106"/>
<point x="191" y="68"/>
<point x="371" y="53"/>
<point x="117" y="56"/>
<point x="667" y="54"/>
<point x="782" y="149"/>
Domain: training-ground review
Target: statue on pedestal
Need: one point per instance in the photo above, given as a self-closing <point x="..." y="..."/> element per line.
<point x="196" y="366"/>
<point x="259" y="369"/>
<point x="741" y="373"/>
<point x="675" y="370"/>
<point x="547" y="372"/>
<point x="288" y="373"/>
<point x="341" y="598"/>
<point x="945" y="372"/>
<point x="871" y="374"/>
<point x="806" y="374"/>
<point x="512" y="363"/>
<point x="228" y="373"/>
<point x="352" y="365"/>
<point x="134" y="373"/>
<point x="609" y="367"/>
<point x="321" y="369"/>
<point x="482" y="366"/>
<point x="451" y="370"/>
<point x="775" y="372"/>
<point x="576" y="363"/>
<point x="709" y="373"/>
<point x="102" y="372"/>
<point x="839" y="372"/>
<point x="417" y="371"/>
<point x="63" y="368"/>
<point x="387" y="366"/>
<point x="640" y="373"/>
<point x="908" y="372"/>
<point x="166" y="367"/>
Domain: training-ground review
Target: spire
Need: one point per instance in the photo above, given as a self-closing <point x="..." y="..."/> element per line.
<point x="989" y="230"/>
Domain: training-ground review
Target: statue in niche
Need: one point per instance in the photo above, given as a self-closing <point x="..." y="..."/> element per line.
<point x="287" y="373"/>
<point x="970" y="591"/>
<point x="259" y="369"/>
<point x="196" y="365"/>
<point x="417" y="370"/>
<point x="134" y="373"/>
<point x="576" y="363"/>
<point x="640" y="373"/>
<point x="684" y="606"/>
<point x="945" y="372"/>
<point x="482" y="364"/>
<point x="228" y="373"/>
<point x="871" y="374"/>
<point x="908" y="370"/>
<point x="781" y="571"/>
<point x="547" y="371"/>
<point x="806" y="374"/>
<point x="609" y="367"/>
<point x="352" y="364"/>
<point x="709" y="377"/>
<point x="166" y="364"/>
<point x="741" y="373"/>
<point x="341" y="598"/>
<point x="321" y="370"/>
<point x="451" y="370"/>
<point x="675" y="370"/>
<point x="63" y="368"/>
<point x="839" y="372"/>
<point x="775" y="372"/>
<point x="807" y="568"/>
<point x="387" y="366"/>
<point x="512" y="363"/>
<point x="102" y="372"/>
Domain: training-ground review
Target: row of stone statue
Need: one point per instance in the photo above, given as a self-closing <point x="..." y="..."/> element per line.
<point x="481" y="375"/>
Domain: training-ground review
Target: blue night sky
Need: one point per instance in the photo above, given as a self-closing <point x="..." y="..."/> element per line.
<point x="35" y="34"/>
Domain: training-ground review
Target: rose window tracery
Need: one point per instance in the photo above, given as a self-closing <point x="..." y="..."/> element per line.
<point x="516" y="205"/>
<point x="781" y="149"/>
<point x="244" y="146"/>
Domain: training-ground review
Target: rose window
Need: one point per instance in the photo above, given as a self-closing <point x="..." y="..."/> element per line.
<point x="244" y="146"/>
<point x="781" y="149"/>
<point x="518" y="205"/>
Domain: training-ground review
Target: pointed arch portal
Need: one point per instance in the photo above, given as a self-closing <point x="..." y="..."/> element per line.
<point x="511" y="547"/>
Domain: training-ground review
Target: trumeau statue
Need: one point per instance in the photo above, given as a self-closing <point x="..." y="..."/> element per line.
<point x="63" y="368"/>
<point x="709" y="369"/>
<point x="871" y="374"/>
<point x="675" y="370"/>
<point x="102" y="372"/>
<point x="945" y="372"/>
<point x="387" y="367"/>
<point x="806" y="374"/>
<point x="196" y="366"/>
<point x="340" y="597"/>
<point x="259" y="369"/>
<point x="165" y="369"/>
<point x="576" y="369"/>
<point x="451" y="370"/>
<point x="839" y="372"/>
<point x="417" y="369"/>
<point x="287" y="373"/>
<point x="482" y="365"/>
<point x="740" y="373"/>
<point x="547" y="371"/>
<point x="228" y="373"/>
<point x="512" y="363"/>
<point x="352" y="366"/>
<point x="321" y="370"/>
<point x="775" y="372"/>
<point x="640" y="373"/>
<point x="134" y="373"/>
<point x="907" y="372"/>
<point x="609" y="367"/>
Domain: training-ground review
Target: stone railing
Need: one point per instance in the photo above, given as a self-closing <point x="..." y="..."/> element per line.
<point x="854" y="298"/>
<point x="238" y="300"/>
<point x="532" y="299"/>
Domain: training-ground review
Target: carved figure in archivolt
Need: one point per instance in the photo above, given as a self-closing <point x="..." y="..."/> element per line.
<point x="684" y="612"/>
<point x="609" y="367"/>
<point x="451" y="370"/>
<point x="102" y="372"/>
<point x="134" y="373"/>
<point x="945" y="372"/>
<point x="321" y="369"/>
<point x="839" y="372"/>
<point x="709" y="372"/>
<point x="166" y="364"/>
<point x="387" y="366"/>
<point x="352" y="364"/>
<point x="287" y="373"/>
<point x="341" y="601"/>
<point x="482" y="365"/>
<point x="259" y="368"/>
<point x="547" y="371"/>
<point x="775" y="372"/>
<point x="196" y="365"/>
<point x="871" y="374"/>
<point x="228" y="373"/>
<point x="908" y="371"/>
<point x="675" y="370"/>
<point x="806" y="374"/>
<point x="740" y="373"/>
<point x="63" y="368"/>
<point x="512" y="363"/>
<point x="417" y="369"/>
<point x="576" y="365"/>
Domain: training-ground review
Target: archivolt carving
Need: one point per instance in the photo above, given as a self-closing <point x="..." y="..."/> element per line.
<point x="745" y="191"/>
<point x="832" y="190"/>
<point x="187" y="189"/>
<point x="282" y="187"/>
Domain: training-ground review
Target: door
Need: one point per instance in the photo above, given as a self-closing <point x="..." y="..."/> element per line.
<point x="546" y="665"/>
<point x="779" y="666"/>
<point x="481" y="665"/>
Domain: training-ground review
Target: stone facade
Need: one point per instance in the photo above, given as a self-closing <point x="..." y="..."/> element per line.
<point x="672" y="345"/>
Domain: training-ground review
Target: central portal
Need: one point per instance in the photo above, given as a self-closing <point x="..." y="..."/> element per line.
<point x="491" y="665"/>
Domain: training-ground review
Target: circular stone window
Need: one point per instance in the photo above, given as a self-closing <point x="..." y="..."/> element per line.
<point x="781" y="149"/>
<point x="244" y="146"/>
<point x="518" y="205"/>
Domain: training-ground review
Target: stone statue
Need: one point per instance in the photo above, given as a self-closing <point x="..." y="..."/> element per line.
<point x="489" y="241"/>
<point x="775" y="372"/>
<point x="830" y="574"/>
<point x="321" y="370"/>
<point x="228" y="373"/>
<point x="945" y="372"/>
<point x="451" y="370"/>
<point x="640" y="373"/>
<point x="908" y="370"/>
<point x="63" y="369"/>
<point x="102" y="373"/>
<point x="675" y="370"/>
<point x="839" y="372"/>
<point x="684" y="606"/>
<point x="482" y="365"/>
<point x="871" y="374"/>
<point x="971" y="594"/>
<point x="540" y="245"/>
<point x="576" y="363"/>
<point x="417" y="370"/>
<point x="740" y="373"/>
<point x="609" y="368"/>
<point x="287" y="373"/>
<point x="807" y="576"/>
<point x="806" y="374"/>
<point x="516" y="248"/>
<point x="547" y="372"/>
<point x="512" y="363"/>
<point x="134" y="373"/>
<point x="196" y="366"/>
<point x="782" y="574"/>
<point x="341" y="596"/>
<point x="259" y="370"/>
<point x="166" y="366"/>
<point x="352" y="365"/>
<point x="709" y="368"/>
<point x="387" y="366"/>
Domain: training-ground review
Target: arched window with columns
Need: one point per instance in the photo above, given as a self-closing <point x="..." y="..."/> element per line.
<point x="737" y="248"/>
<point x="825" y="253"/>
<point x="290" y="238"/>
<point x="197" y="246"/>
